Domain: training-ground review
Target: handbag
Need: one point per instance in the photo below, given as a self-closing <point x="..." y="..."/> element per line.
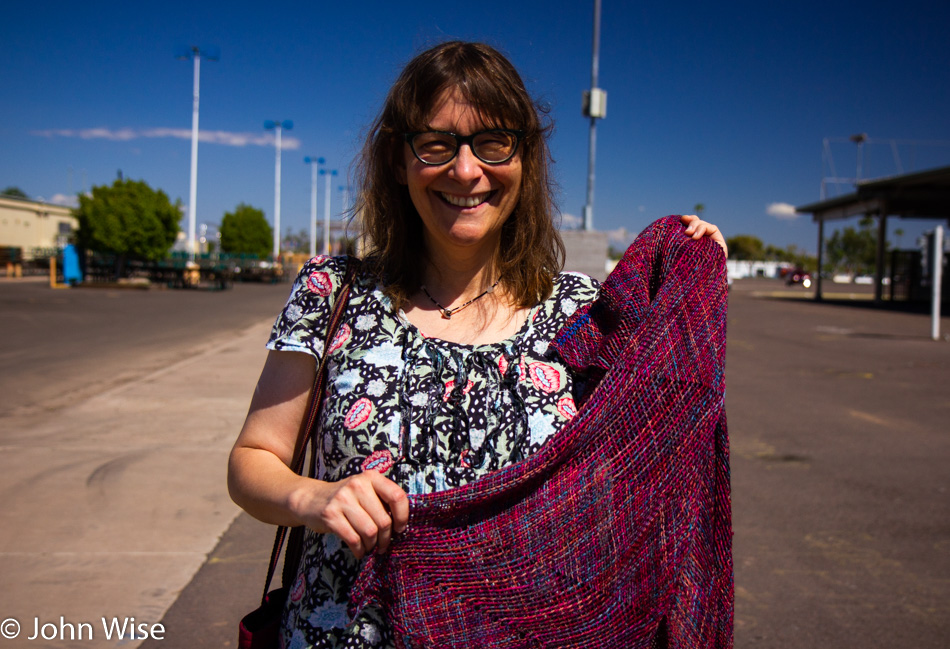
<point x="260" y="628"/>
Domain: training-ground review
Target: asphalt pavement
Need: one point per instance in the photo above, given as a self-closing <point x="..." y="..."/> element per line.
<point x="116" y="414"/>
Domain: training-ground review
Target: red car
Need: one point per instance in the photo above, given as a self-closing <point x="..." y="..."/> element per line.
<point x="798" y="276"/>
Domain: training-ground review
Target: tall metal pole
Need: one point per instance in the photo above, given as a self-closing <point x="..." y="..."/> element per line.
<point x="196" y="55"/>
<point x="346" y="198"/>
<point x="277" y="197"/>
<point x="326" y="212"/>
<point x="193" y="191"/>
<point x="595" y="106"/>
<point x="278" y="126"/>
<point x="313" y="162"/>
<point x="313" y="209"/>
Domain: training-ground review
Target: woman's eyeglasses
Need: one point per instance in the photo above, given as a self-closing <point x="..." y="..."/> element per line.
<point x="493" y="146"/>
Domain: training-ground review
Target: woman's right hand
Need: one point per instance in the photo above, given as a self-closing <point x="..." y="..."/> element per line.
<point x="364" y="510"/>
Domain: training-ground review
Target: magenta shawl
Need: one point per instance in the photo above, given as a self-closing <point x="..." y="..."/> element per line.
<point x="617" y="533"/>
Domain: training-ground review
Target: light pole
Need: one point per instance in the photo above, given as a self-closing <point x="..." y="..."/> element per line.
<point x="326" y="215"/>
<point x="277" y="126"/>
<point x="313" y="162"/>
<point x="195" y="53"/>
<point x="595" y="107"/>
<point x="345" y="190"/>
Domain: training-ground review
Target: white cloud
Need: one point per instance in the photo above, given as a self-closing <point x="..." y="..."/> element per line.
<point x="226" y="138"/>
<point x="783" y="211"/>
<point x="570" y="221"/>
<point x="63" y="199"/>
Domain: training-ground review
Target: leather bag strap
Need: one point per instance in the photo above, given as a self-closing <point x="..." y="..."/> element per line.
<point x="306" y="436"/>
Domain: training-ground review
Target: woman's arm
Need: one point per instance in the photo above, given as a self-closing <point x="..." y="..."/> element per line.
<point x="363" y="509"/>
<point x="697" y="228"/>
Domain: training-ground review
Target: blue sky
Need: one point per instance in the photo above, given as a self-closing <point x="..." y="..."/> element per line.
<point x="724" y="104"/>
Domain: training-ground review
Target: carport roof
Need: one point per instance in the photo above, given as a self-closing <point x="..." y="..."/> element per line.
<point x="921" y="195"/>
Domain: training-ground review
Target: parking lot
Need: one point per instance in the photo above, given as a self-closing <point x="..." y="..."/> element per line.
<point x="838" y="417"/>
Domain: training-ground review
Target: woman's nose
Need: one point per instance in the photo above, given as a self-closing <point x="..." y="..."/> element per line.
<point x="465" y="166"/>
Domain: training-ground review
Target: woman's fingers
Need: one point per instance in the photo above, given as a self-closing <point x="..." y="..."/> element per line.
<point x="389" y="509"/>
<point x="697" y="229"/>
<point x="396" y="501"/>
<point x="364" y="510"/>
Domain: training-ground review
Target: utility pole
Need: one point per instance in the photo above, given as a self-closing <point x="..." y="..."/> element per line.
<point x="326" y="215"/>
<point x="195" y="53"/>
<point x="277" y="126"/>
<point x="313" y="162"/>
<point x="595" y="107"/>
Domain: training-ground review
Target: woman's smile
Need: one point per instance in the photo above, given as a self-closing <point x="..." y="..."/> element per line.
<point x="466" y="201"/>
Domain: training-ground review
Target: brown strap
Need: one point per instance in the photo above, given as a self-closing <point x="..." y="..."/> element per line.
<point x="306" y="436"/>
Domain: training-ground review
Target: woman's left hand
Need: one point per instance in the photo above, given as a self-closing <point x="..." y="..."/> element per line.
<point x="697" y="229"/>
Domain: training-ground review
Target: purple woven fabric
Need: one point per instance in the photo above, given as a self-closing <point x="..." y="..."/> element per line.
<point x="617" y="533"/>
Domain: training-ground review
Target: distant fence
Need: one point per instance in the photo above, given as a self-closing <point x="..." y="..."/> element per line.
<point x="179" y="271"/>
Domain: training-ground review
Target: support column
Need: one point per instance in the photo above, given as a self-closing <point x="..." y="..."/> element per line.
<point x="936" y="283"/>
<point x="879" y="261"/>
<point x="821" y="256"/>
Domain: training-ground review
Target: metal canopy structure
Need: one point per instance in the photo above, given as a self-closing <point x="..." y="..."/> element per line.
<point x="921" y="195"/>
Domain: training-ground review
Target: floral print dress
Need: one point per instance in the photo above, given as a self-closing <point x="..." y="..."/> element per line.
<point x="427" y="413"/>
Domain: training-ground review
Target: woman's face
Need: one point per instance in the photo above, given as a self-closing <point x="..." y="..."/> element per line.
<point x="462" y="203"/>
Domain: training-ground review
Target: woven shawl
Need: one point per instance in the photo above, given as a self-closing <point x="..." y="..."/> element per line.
<point x="617" y="532"/>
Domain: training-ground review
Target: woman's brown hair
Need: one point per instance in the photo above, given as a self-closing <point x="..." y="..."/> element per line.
<point x="531" y="251"/>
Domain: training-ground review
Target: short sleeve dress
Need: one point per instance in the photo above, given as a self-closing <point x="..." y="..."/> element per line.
<point x="427" y="413"/>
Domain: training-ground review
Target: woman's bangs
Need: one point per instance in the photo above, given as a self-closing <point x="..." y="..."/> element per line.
<point x="495" y="107"/>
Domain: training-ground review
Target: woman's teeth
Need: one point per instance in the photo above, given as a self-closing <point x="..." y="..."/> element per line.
<point x="465" y="201"/>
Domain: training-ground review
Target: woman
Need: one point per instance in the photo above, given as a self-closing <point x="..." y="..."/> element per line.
<point x="441" y="372"/>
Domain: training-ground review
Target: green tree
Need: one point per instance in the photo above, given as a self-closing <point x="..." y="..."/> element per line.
<point x="853" y="250"/>
<point x="745" y="247"/>
<point x="129" y="220"/>
<point x="15" y="192"/>
<point x="246" y="231"/>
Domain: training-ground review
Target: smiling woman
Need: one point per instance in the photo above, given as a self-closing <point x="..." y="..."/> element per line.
<point x="442" y="371"/>
<point x="437" y="91"/>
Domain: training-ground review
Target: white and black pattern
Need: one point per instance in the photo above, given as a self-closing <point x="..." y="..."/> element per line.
<point x="427" y="413"/>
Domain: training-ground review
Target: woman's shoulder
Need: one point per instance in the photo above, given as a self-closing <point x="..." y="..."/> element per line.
<point x="575" y="286"/>
<point x="303" y="320"/>
<point x="320" y="266"/>
<point x="571" y="292"/>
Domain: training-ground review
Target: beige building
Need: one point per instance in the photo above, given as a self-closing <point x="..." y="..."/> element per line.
<point x="34" y="227"/>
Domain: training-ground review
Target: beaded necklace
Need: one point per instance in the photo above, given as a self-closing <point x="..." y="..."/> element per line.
<point x="447" y="313"/>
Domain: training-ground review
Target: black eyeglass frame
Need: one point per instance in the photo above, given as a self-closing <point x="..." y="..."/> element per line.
<point x="469" y="140"/>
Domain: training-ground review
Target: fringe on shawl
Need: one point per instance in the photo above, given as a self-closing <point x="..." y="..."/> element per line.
<point x="617" y="533"/>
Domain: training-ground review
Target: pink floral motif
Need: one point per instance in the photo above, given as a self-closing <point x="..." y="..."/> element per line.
<point x="463" y="458"/>
<point x="544" y="377"/>
<point x="358" y="414"/>
<point x="318" y="260"/>
<point x="342" y="335"/>
<point x="567" y="407"/>
<point x="319" y="282"/>
<point x="379" y="461"/>
<point x="300" y="586"/>
<point x="450" y="385"/>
